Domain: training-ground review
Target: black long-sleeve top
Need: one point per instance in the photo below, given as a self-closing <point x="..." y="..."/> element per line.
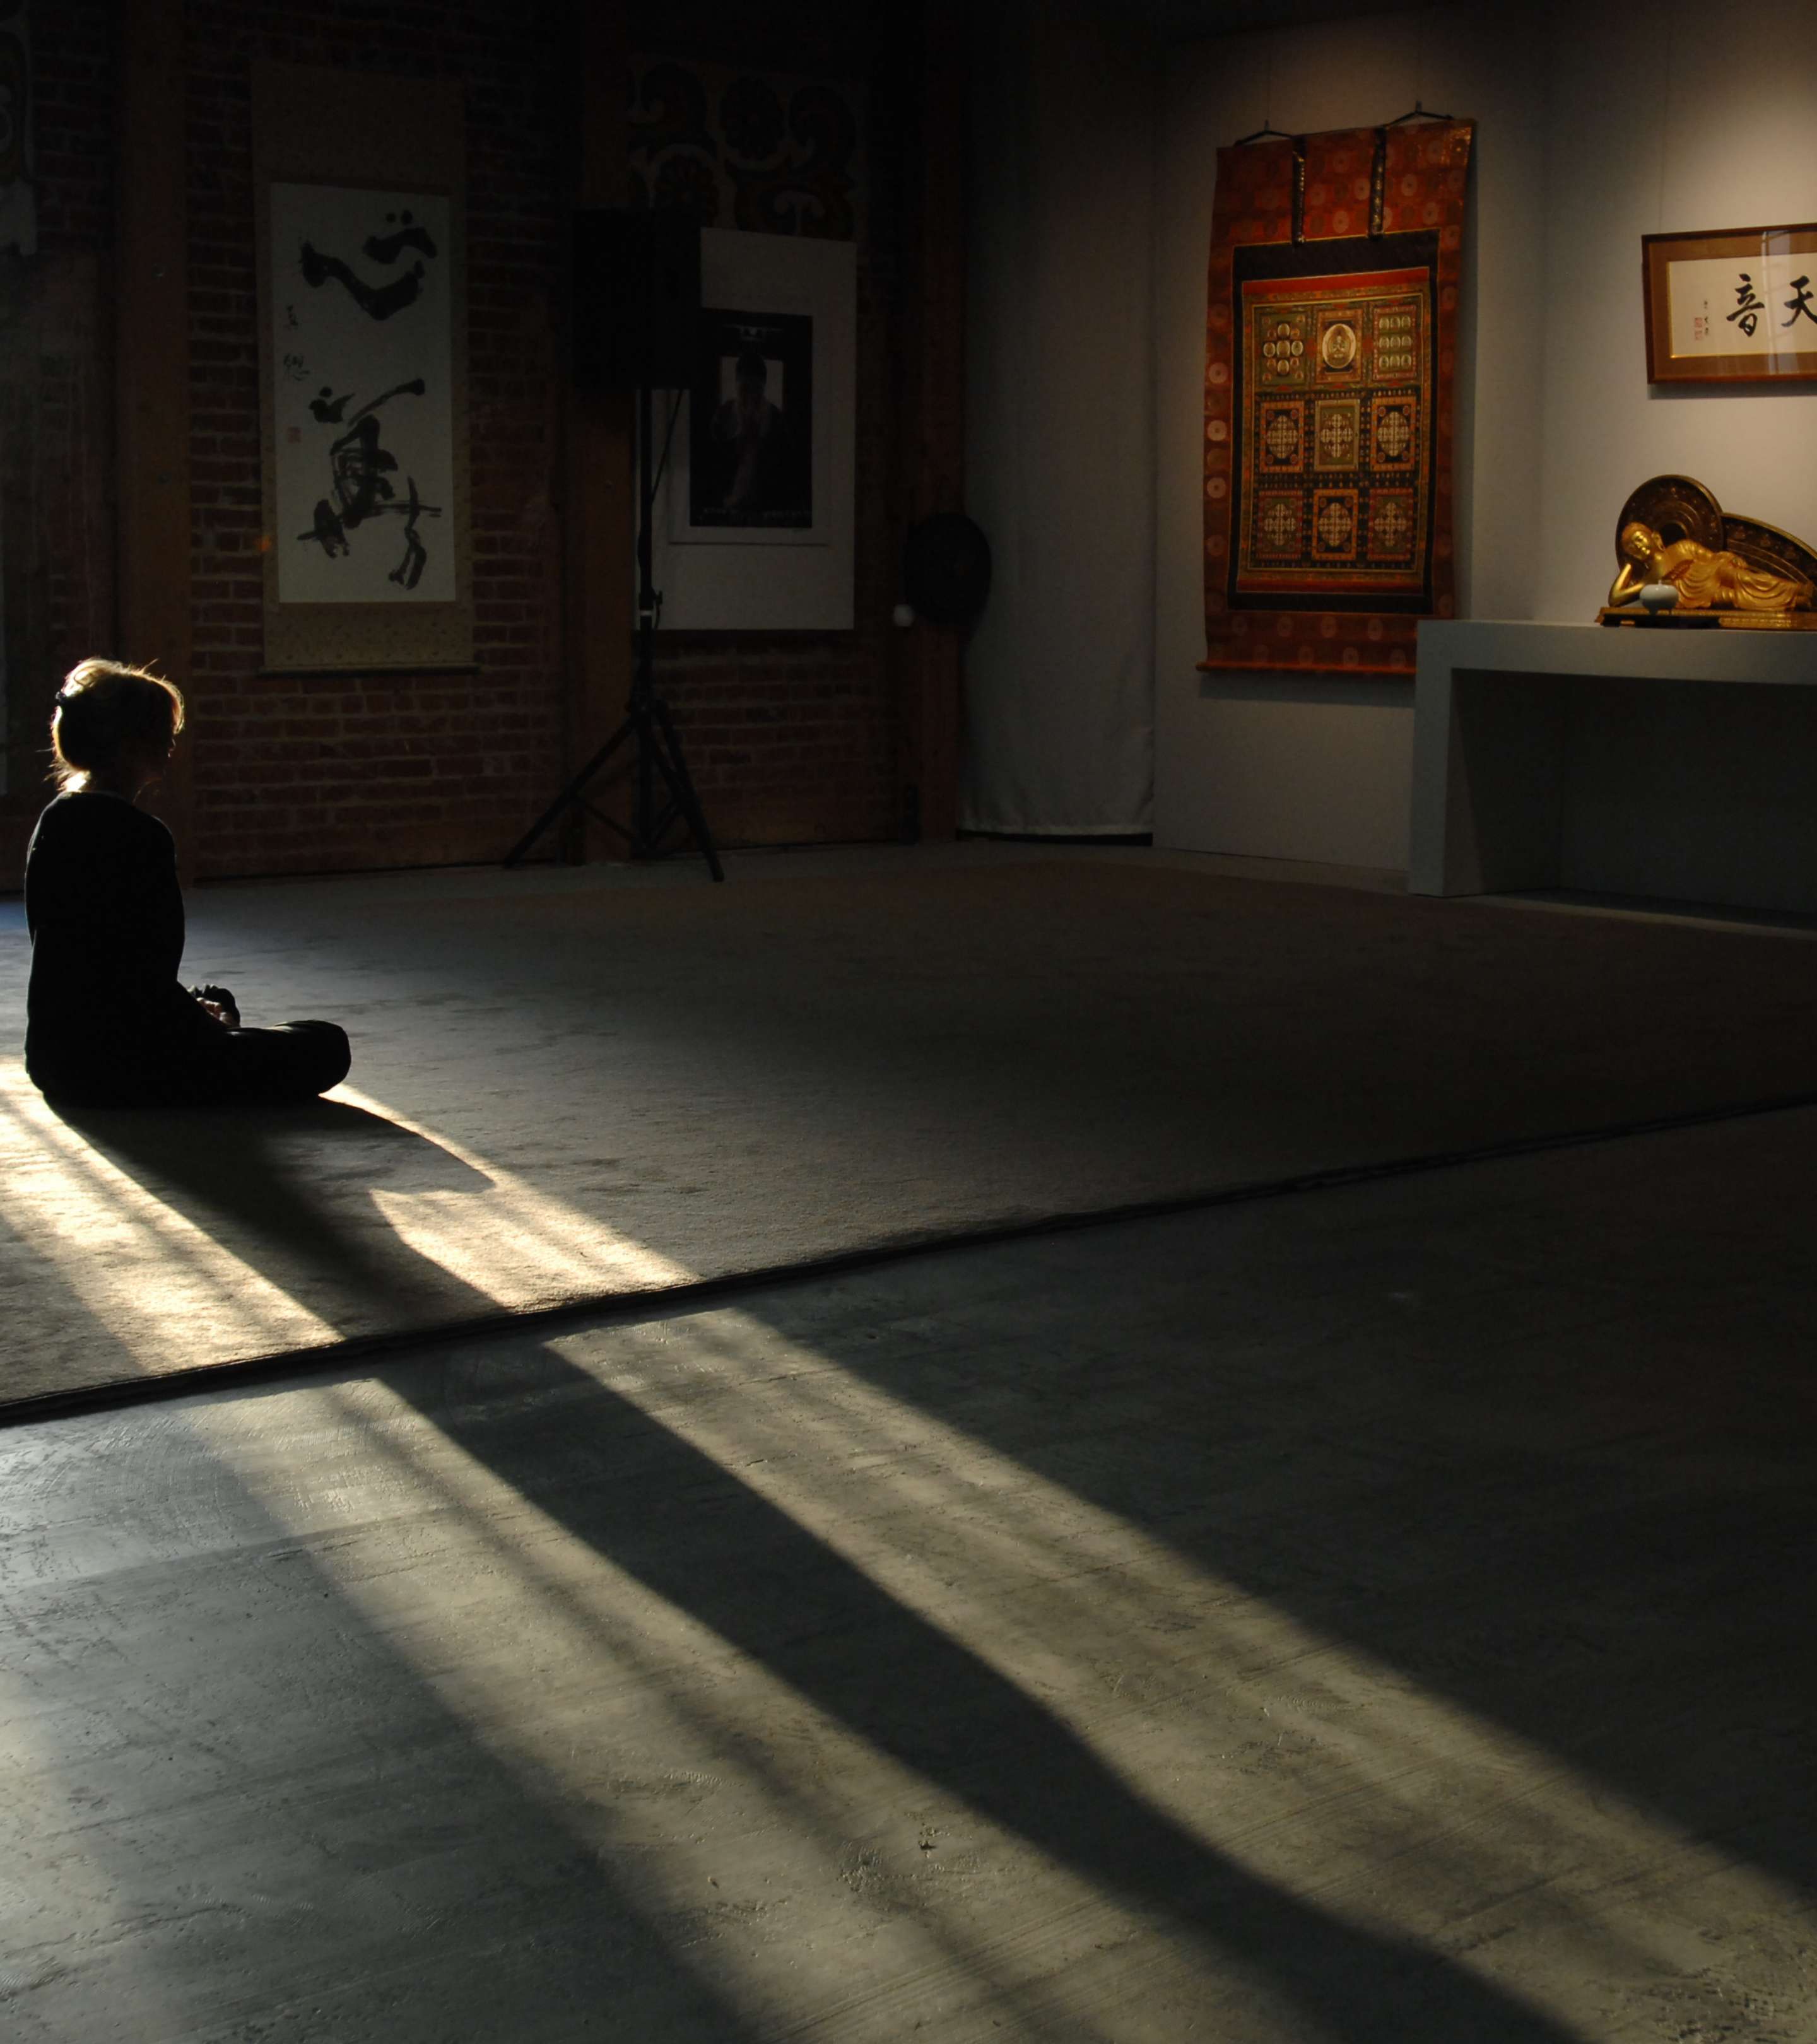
<point x="106" y="1016"/>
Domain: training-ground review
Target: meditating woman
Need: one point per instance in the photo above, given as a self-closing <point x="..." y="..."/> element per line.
<point x="108" y="1023"/>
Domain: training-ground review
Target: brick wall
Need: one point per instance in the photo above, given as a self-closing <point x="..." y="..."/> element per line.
<point x="793" y="737"/>
<point x="73" y="54"/>
<point x="56" y="399"/>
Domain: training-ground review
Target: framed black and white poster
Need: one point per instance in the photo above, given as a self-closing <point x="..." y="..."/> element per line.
<point x="754" y="528"/>
<point x="751" y="460"/>
<point x="362" y="366"/>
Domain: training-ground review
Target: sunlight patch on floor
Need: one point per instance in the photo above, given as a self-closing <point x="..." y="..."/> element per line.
<point x="1278" y="1747"/>
<point x="721" y="1790"/>
<point x="174" y="1291"/>
<point x="514" y="1243"/>
<point x="1280" y="1750"/>
<point x="1191" y="1688"/>
<point x="87" y="1218"/>
<point x="728" y="1806"/>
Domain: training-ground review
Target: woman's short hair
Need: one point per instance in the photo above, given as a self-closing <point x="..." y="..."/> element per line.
<point x="104" y="709"/>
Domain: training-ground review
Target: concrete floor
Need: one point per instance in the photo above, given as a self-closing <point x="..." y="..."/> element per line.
<point x="1377" y="1614"/>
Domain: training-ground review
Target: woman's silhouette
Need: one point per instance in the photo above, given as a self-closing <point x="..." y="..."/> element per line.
<point x="108" y="1023"/>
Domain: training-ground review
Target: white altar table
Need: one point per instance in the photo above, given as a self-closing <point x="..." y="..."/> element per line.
<point x="1674" y="763"/>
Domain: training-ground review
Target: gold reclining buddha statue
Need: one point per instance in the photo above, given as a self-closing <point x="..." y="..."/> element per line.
<point x="1672" y="531"/>
<point x="1705" y="580"/>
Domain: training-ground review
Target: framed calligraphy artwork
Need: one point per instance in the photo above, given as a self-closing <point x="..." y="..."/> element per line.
<point x="1733" y="306"/>
<point x="1330" y="326"/>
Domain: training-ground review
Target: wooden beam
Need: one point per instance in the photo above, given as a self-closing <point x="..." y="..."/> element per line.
<point x="599" y="516"/>
<point x="152" y="370"/>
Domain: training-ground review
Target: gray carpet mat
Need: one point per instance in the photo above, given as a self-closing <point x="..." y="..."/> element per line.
<point x="562" y="1093"/>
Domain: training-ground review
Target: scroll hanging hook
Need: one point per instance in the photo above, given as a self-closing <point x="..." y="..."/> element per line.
<point x="1419" y="112"/>
<point x="1267" y="132"/>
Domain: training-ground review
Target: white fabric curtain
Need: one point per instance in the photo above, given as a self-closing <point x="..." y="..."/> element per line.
<point x="1060" y="439"/>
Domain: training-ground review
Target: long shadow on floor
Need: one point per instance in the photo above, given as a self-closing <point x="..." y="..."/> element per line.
<point x="265" y="1818"/>
<point x="687" y="1528"/>
<point x="258" y="1170"/>
<point x="1541" y="1435"/>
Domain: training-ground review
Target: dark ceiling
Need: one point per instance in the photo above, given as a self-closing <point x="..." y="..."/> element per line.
<point x="1181" y="20"/>
<point x="838" y="36"/>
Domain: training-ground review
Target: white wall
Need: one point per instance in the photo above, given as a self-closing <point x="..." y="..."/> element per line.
<point x="1724" y="134"/>
<point x="1093" y="180"/>
<point x="1060" y="455"/>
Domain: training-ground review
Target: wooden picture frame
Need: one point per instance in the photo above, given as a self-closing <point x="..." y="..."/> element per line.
<point x="1734" y="304"/>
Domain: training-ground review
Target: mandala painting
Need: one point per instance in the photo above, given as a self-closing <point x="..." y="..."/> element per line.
<point x="1330" y="344"/>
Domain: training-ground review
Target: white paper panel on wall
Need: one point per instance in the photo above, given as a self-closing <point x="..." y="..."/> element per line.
<point x="754" y="525"/>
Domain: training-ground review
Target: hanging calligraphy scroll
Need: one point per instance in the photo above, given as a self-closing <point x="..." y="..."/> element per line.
<point x="360" y="197"/>
<point x="1330" y="360"/>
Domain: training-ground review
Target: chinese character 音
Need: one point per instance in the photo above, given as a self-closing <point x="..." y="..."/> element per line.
<point x="1749" y="306"/>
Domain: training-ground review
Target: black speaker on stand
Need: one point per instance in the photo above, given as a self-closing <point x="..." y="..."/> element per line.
<point x="636" y="302"/>
<point x="635" y="313"/>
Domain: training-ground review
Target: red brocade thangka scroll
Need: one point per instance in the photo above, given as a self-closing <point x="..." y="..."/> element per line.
<point x="1330" y="343"/>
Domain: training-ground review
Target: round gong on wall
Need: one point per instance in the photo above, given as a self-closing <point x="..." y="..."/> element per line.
<point x="946" y="568"/>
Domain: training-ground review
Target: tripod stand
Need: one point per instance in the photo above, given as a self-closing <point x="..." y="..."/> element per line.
<point x="656" y="749"/>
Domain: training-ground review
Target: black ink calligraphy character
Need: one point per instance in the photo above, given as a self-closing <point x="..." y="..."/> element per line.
<point x="1749" y="307"/>
<point x="1799" y="306"/>
<point x="377" y="303"/>
<point x="408" y="571"/>
<point x="405" y="234"/>
<point x="360" y="487"/>
<point x="328" y="531"/>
